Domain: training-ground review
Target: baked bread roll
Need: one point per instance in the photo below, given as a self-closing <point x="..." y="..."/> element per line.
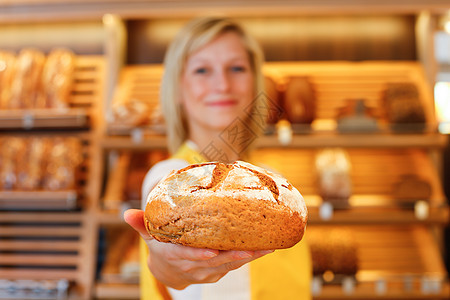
<point x="227" y="207"/>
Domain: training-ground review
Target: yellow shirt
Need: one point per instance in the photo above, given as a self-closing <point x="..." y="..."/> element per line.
<point x="284" y="274"/>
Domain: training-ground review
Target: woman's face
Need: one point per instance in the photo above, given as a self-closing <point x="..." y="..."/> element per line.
<point x="217" y="84"/>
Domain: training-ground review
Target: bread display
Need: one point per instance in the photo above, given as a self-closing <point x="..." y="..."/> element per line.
<point x="403" y="104"/>
<point x="226" y="206"/>
<point x="132" y="113"/>
<point x="334" y="181"/>
<point x="33" y="80"/>
<point x="299" y="101"/>
<point x="333" y="250"/>
<point x="39" y="163"/>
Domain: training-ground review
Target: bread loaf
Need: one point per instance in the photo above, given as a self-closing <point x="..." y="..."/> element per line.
<point x="334" y="179"/>
<point x="403" y="104"/>
<point x="7" y="61"/>
<point x="299" y="101"/>
<point x="26" y="84"/>
<point x="226" y="206"/>
<point x="57" y="79"/>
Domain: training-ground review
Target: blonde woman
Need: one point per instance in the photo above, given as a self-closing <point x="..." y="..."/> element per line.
<point x="212" y="100"/>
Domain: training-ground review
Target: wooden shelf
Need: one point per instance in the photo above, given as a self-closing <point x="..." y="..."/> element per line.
<point x="379" y="215"/>
<point x="369" y="140"/>
<point x="139" y="140"/>
<point x="39" y="200"/>
<point x="43" y="118"/>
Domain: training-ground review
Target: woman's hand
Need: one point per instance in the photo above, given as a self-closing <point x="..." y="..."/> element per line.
<point x="179" y="266"/>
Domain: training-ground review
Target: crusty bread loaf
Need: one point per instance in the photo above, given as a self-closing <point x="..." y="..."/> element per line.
<point x="57" y="79"/>
<point x="226" y="206"/>
<point x="26" y="83"/>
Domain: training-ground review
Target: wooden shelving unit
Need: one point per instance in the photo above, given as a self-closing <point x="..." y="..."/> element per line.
<point x="378" y="160"/>
<point x="48" y="236"/>
<point x="374" y="215"/>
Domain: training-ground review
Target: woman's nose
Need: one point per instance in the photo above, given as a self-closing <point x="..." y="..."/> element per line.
<point x="222" y="80"/>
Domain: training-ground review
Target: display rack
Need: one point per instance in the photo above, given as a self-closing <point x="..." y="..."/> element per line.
<point x="378" y="160"/>
<point x="48" y="237"/>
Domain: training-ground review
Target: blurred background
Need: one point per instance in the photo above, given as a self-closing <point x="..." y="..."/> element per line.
<point x="361" y="95"/>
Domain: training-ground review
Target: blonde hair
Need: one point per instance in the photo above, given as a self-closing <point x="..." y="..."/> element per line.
<point x="192" y="37"/>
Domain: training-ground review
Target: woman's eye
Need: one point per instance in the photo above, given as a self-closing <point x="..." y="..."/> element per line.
<point x="201" y="71"/>
<point x="238" y="68"/>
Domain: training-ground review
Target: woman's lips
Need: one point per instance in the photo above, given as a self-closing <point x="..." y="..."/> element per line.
<point x="222" y="103"/>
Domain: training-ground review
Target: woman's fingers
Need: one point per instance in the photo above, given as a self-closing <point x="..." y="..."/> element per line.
<point x="226" y="257"/>
<point x="135" y="218"/>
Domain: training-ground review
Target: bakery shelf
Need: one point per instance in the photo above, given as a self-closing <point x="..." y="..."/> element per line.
<point x="45" y="246"/>
<point x="43" y="118"/>
<point x="140" y="139"/>
<point x="401" y="257"/>
<point x="85" y="96"/>
<point x="379" y="215"/>
<point x="355" y="140"/>
<point x="137" y="140"/>
<point x="38" y="200"/>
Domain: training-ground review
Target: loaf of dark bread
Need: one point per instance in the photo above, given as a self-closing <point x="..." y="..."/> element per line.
<point x="299" y="101"/>
<point x="403" y="104"/>
<point x="226" y="206"/>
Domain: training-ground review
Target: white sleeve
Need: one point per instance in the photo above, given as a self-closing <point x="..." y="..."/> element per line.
<point x="158" y="172"/>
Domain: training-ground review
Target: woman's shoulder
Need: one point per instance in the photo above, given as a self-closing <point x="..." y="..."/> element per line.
<point x="158" y="172"/>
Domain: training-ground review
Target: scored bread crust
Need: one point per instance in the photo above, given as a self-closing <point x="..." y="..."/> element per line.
<point x="227" y="207"/>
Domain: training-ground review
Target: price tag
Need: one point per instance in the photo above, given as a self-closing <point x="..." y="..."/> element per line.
<point x="326" y="211"/>
<point x="137" y="136"/>
<point x="421" y="210"/>
<point x="316" y="286"/>
<point x="348" y="285"/>
<point x="284" y="134"/>
<point x="380" y="287"/>
<point x="28" y="121"/>
<point x="408" y="283"/>
<point x="425" y="287"/>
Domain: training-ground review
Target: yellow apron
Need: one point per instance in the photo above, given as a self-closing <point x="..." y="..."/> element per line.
<point x="284" y="274"/>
